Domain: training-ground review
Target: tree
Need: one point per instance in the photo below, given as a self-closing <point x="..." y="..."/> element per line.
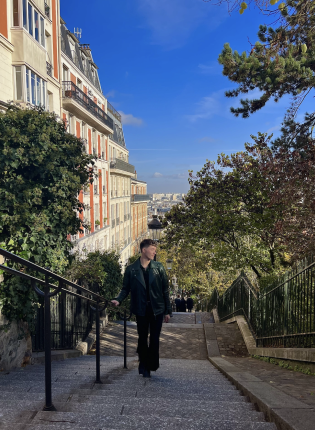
<point x="99" y="271"/>
<point x="42" y="170"/>
<point x="228" y="213"/>
<point x="281" y="62"/>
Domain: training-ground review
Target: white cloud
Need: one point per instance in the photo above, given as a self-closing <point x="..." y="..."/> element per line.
<point x="129" y="119"/>
<point x="172" y="21"/>
<point x="173" y="176"/>
<point x="210" y="69"/>
<point x="206" y="108"/>
<point x="111" y="94"/>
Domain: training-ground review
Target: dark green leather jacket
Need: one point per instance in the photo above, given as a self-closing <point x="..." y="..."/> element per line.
<point x="134" y="283"/>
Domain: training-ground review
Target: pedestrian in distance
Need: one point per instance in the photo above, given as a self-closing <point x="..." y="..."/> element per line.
<point x="182" y="306"/>
<point x="147" y="282"/>
<point x="177" y="303"/>
<point x="190" y="303"/>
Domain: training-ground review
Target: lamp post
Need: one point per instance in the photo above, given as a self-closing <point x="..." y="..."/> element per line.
<point x="155" y="228"/>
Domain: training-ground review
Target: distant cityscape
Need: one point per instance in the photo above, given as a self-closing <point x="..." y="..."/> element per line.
<point x="161" y="203"/>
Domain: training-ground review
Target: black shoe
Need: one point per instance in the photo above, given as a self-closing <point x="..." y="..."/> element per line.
<point x="146" y="374"/>
<point x="141" y="369"/>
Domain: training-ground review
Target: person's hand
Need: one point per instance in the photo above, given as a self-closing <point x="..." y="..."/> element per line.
<point x="167" y="318"/>
<point x="115" y="302"/>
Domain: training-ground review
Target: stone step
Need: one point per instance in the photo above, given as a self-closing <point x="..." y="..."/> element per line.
<point x="230" y="396"/>
<point x="214" y="412"/>
<point x="76" y="420"/>
<point x="90" y="399"/>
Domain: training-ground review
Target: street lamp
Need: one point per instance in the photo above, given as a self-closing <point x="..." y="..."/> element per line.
<point x="155" y="227"/>
<point x="169" y="264"/>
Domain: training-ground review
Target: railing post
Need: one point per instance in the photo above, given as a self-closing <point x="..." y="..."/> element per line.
<point x="125" y="340"/>
<point x="47" y="327"/>
<point x="98" y="349"/>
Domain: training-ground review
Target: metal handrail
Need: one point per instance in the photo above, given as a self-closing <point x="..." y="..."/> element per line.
<point x="99" y="305"/>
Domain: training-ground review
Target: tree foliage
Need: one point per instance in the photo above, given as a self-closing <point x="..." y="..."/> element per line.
<point x="281" y="62"/>
<point x="99" y="271"/>
<point x="42" y="170"/>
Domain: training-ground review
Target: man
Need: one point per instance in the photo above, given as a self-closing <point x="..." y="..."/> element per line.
<point x="147" y="282"/>
<point x="177" y="303"/>
<point x="190" y="303"/>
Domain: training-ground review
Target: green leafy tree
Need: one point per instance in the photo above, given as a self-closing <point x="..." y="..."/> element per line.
<point x="227" y="212"/>
<point x="281" y="62"/>
<point x="99" y="271"/>
<point x="42" y="170"/>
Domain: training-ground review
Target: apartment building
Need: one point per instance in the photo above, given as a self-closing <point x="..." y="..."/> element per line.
<point x="30" y="53"/>
<point x="84" y="110"/>
<point x="43" y="63"/>
<point x="120" y="174"/>
<point x="139" y="213"/>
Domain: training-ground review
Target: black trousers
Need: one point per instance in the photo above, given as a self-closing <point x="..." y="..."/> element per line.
<point x="177" y="308"/>
<point x="149" y="354"/>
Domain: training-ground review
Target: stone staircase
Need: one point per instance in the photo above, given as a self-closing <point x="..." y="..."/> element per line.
<point x="182" y="394"/>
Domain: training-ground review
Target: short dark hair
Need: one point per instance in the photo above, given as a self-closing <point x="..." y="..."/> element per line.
<point x="146" y="243"/>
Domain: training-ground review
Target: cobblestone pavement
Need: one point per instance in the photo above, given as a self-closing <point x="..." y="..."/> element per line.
<point x="296" y="384"/>
<point x="175" y="341"/>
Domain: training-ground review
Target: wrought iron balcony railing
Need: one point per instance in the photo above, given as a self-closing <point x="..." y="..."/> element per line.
<point x="70" y="90"/>
<point x="47" y="10"/>
<point x="113" y="111"/>
<point x="48" y="68"/>
<point x="122" y="165"/>
<point x="140" y="197"/>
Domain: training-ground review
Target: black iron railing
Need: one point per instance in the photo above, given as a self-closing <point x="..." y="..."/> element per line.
<point x="140" y="197"/>
<point x="56" y="286"/>
<point x="122" y="165"/>
<point x="282" y="316"/>
<point x="49" y="69"/>
<point x="47" y="10"/>
<point x="70" y="90"/>
<point x="113" y="111"/>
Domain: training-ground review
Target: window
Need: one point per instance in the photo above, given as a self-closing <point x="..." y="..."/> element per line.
<point x="35" y="88"/>
<point x="18" y="83"/>
<point x="42" y="31"/>
<point x="25" y="14"/>
<point x="65" y="72"/>
<point x="36" y="25"/>
<point x="30" y="19"/>
<point x="16" y="13"/>
<point x="33" y="21"/>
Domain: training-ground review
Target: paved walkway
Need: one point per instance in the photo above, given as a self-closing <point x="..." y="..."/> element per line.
<point x="182" y="338"/>
<point x="296" y="384"/>
<point x="185" y="393"/>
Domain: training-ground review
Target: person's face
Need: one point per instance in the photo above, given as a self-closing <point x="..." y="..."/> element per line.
<point x="149" y="252"/>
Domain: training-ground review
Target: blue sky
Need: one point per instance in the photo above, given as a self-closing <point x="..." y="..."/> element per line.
<point x="158" y="65"/>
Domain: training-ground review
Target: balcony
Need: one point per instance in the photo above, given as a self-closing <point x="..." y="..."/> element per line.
<point x="113" y="111"/>
<point x="123" y="166"/>
<point x="92" y="113"/>
<point x="140" y="198"/>
<point x="49" y="69"/>
<point x="47" y="10"/>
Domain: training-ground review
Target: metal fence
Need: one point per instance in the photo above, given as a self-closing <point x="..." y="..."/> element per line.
<point x="282" y="316"/>
<point x="71" y="321"/>
<point x="62" y="302"/>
